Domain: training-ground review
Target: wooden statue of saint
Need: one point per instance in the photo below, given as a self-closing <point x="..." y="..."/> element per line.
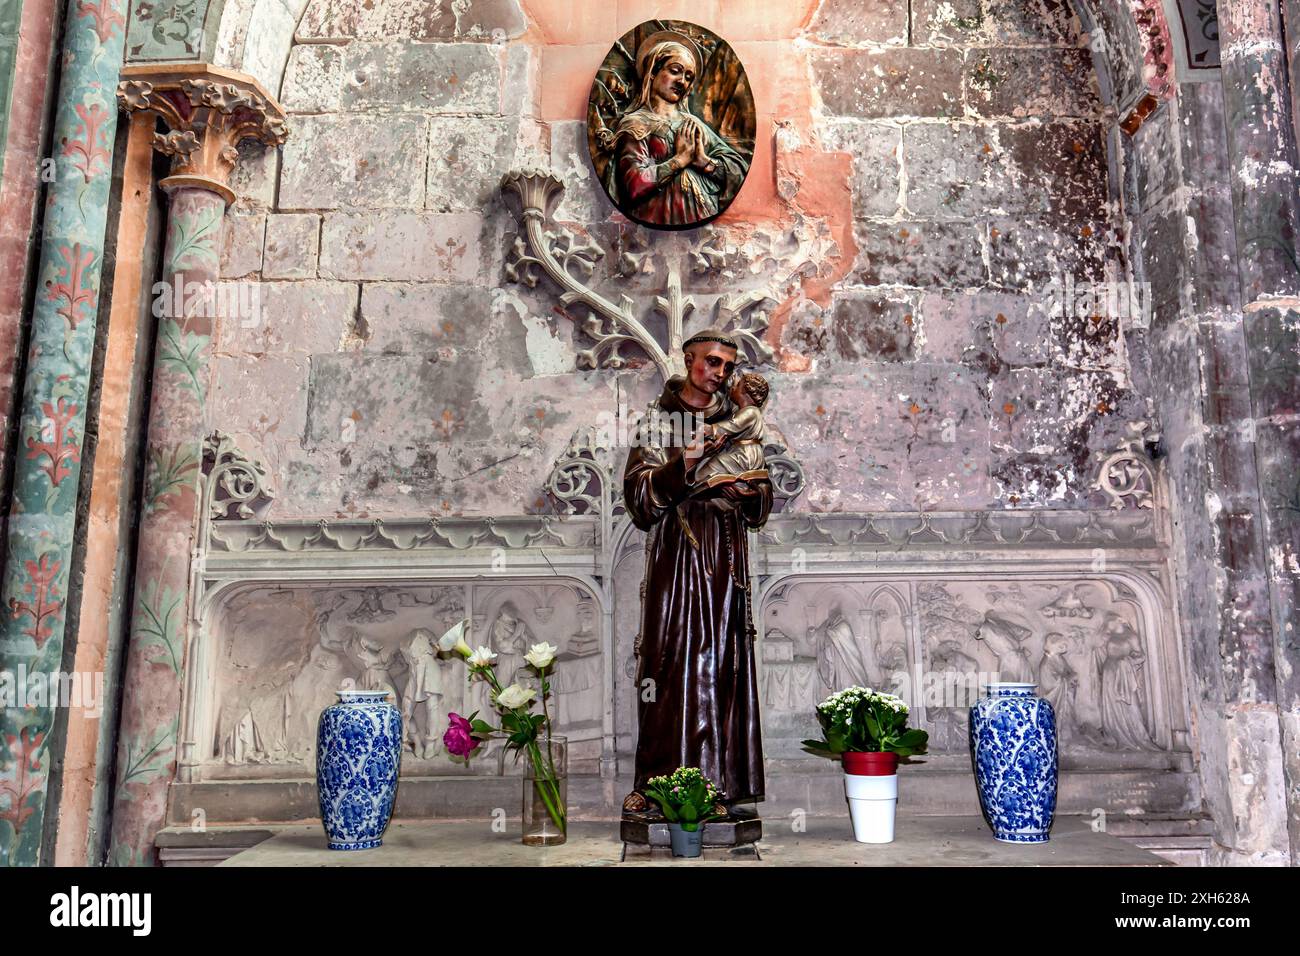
<point x="697" y="637"/>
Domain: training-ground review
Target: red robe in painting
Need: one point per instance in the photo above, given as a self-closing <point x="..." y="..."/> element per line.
<point x="646" y="188"/>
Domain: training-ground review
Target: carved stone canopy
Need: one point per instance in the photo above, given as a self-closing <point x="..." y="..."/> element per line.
<point x="208" y="111"/>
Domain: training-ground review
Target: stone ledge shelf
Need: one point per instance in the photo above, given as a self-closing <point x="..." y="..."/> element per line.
<point x="921" y="841"/>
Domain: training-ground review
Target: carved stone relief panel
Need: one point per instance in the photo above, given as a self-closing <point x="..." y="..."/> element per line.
<point x="284" y="651"/>
<point x="509" y="619"/>
<point x="281" y="652"/>
<point x="1089" y="643"/>
<point x="821" y="636"/>
<point x="273" y="651"/>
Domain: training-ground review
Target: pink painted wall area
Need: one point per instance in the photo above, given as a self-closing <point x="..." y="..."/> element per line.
<point x="19" y="191"/>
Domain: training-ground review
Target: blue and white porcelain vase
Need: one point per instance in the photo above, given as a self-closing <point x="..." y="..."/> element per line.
<point x="358" y="756"/>
<point x="1013" y="748"/>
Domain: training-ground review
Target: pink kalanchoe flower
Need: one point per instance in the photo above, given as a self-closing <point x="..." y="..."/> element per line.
<point x="459" y="738"/>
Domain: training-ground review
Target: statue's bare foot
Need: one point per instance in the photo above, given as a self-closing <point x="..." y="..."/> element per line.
<point x="736" y="810"/>
<point x="638" y="804"/>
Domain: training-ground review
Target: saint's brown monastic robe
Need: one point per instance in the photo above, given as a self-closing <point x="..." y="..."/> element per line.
<point x="697" y="640"/>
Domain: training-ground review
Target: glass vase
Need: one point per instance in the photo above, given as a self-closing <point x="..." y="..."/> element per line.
<point x="545" y="812"/>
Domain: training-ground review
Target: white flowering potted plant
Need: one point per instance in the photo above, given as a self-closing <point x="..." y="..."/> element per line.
<point x="525" y="732"/>
<point x="689" y="800"/>
<point x="867" y="731"/>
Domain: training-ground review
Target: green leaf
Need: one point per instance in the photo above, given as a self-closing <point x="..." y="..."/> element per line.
<point x="182" y="351"/>
<point x="873" y="726"/>
<point x="820" y="748"/>
<point x="916" y="740"/>
<point x="669" y="811"/>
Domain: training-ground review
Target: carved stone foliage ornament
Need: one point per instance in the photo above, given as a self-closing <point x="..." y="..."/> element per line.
<point x="671" y="124"/>
<point x="236" y="486"/>
<point x="1126" y="476"/>
<point x="207" y="111"/>
<point x="570" y="262"/>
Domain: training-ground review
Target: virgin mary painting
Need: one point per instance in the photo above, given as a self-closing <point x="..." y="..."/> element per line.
<point x="661" y="163"/>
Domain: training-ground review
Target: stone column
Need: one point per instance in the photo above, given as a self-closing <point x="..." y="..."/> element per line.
<point x="1266" y="209"/>
<point x="1291" y="31"/>
<point x="207" y="112"/>
<point x="83" y="780"/>
<point x="26" y="81"/>
<point x="51" y="430"/>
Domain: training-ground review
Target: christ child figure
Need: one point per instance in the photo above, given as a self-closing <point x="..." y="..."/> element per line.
<point x="733" y="451"/>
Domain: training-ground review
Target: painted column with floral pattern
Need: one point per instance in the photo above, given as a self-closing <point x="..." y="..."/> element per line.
<point x="42" y="511"/>
<point x="207" y="112"/>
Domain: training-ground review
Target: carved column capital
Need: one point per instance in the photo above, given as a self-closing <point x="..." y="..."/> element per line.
<point x="208" y="111"/>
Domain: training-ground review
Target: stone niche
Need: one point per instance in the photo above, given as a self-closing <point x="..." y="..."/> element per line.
<point x="293" y="612"/>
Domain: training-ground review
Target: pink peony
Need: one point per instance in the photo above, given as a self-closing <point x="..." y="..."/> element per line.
<point x="459" y="738"/>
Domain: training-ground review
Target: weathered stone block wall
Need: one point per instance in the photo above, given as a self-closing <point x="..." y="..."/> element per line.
<point x="921" y="174"/>
<point x="923" y="171"/>
<point x="1196" y="360"/>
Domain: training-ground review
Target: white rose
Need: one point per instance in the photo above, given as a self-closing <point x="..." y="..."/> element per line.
<point x="483" y="657"/>
<point x="541" y="655"/>
<point x="454" y="639"/>
<point x="515" y="696"/>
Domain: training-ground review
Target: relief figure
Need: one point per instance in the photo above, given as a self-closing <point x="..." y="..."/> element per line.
<point x="1123" y="710"/>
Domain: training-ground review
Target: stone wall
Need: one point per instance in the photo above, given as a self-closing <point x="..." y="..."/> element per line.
<point x="1196" y="360"/>
<point x="921" y="178"/>
<point x="924" y="172"/>
<point x="395" y="371"/>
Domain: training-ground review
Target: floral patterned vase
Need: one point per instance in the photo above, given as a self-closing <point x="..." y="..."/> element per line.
<point x="358" y="756"/>
<point x="1013" y="748"/>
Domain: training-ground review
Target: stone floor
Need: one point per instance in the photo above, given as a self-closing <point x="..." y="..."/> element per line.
<point x="827" y="841"/>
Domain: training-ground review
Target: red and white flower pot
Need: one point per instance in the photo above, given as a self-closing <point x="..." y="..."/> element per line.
<point x="871" y="785"/>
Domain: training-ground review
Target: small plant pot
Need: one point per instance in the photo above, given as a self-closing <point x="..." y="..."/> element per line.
<point x="871" y="786"/>
<point x="686" y="843"/>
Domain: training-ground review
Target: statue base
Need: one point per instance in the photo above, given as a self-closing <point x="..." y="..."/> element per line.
<point x="739" y="828"/>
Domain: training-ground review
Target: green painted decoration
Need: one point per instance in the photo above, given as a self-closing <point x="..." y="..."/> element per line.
<point x="38" y="549"/>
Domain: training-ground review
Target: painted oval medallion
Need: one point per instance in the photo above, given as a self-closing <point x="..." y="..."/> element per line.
<point x="670" y="124"/>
